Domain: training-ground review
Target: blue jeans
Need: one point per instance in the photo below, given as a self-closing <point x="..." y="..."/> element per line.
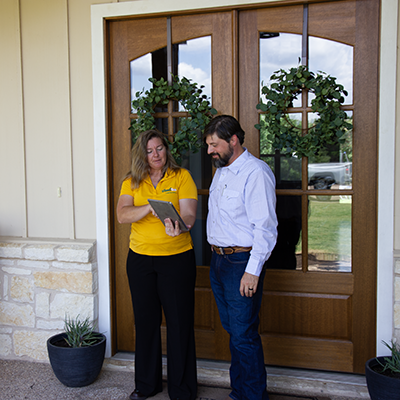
<point x="239" y="317"/>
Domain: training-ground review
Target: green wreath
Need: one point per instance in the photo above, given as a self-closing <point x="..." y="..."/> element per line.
<point x="329" y="128"/>
<point x="192" y="99"/>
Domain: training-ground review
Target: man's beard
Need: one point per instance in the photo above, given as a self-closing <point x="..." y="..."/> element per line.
<point x="223" y="159"/>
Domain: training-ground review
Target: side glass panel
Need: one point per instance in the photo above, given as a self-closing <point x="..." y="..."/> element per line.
<point x="280" y="51"/>
<point x="329" y="234"/>
<point x="333" y="168"/>
<point x="195" y="64"/>
<point x="191" y="59"/>
<point x="329" y="216"/>
<point x="283" y="51"/>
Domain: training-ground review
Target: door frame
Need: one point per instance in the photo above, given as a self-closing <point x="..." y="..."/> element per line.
<point x="386" y="143"/>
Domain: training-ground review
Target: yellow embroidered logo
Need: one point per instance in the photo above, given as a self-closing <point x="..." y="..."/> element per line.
<point x="169" y="190"/>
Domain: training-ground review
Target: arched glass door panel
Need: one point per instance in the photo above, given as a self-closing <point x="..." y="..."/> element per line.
<point x="190" y="59"/>
<point x="328" y="242"/>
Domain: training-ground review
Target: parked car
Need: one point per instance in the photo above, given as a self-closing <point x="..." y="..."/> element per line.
<point x="324" y="175"/>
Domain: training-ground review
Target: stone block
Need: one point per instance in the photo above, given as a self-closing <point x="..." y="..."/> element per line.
<point x="5" y="287"/>
<point x="397" y="316"/>
<point x="397" y="288"/>
<point x="11" y="250"/>
<point x="396" y="335"/>
<point x="22" y="289"/>
<point x="76" y="253"/>
<point x="75" y="282"/>
<point x="72" y="305"/>
<point x="48" y="325"/>
<point x="31" y="344"/>
<point x="72" y="266"/>
<point x="5" y="345"/>
<point x="43" y="305"/>
<point x="95" y="281"/>
<point x="34" y="264"/>
<point x="16" y="271"/>
<point x="17" y="314"/>
<point x="39" y="252"/>
<point x="6" y="263"/>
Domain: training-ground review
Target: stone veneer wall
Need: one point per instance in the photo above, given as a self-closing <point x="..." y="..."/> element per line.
<point x="40" y="283"/>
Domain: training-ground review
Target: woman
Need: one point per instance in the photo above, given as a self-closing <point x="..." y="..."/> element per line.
<point x="161" y="268"/>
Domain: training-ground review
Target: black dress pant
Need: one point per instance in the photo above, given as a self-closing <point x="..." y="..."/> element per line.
<point x="167" y="282"/>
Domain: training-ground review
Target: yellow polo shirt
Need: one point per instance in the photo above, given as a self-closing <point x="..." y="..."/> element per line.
<point x="148" y="235"/>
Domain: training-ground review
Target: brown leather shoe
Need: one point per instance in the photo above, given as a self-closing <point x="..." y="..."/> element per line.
<point x="137" y="395"/>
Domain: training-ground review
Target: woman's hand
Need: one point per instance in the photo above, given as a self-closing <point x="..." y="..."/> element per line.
<point x="172" y="229"/>
<point x="152" y="211"/>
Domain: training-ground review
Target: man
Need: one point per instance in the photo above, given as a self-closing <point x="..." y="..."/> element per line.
<point x="242" y="230"/>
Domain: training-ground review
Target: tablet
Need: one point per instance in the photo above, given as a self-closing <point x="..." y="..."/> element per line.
<point x="165" y="209"/>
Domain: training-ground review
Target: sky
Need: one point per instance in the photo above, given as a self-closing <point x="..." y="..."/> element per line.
<point x="332" y="58"/>
<point x="194" y="64"/>
<point x="281" y="52"/>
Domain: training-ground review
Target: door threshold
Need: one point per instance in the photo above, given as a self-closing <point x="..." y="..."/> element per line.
<point x="291" y="381"/>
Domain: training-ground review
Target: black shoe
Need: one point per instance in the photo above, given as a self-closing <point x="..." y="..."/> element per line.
<point x="137" y="395"/>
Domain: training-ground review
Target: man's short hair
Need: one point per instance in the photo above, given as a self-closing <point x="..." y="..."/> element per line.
<point x="224" y="126"/>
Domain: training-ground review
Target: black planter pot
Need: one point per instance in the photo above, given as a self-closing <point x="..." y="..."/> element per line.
<point x="381" y="387"/>
<point x="76" y="367"/>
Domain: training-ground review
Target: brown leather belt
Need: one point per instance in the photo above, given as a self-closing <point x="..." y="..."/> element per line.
<point x="230" y="250"/>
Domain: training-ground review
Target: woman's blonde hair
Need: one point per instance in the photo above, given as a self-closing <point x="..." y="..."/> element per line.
<point x="140" y="168"/>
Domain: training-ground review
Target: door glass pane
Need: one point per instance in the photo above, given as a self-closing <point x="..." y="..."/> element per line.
<point x="140" y="74"/>
<point x="329" y="234"/>
<point x="195" y="62"/>
<point x="333" y="167"/>
<point x="278" y="51"/>
<point x="198" y="232"/>
<point x="287" y="253"/>
<point x="287" y="170"/>
<point x="191" y="59"/>
<point x="335" y="59"/>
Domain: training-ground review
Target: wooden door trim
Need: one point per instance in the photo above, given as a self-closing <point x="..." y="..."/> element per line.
<point x="366" y="64"/>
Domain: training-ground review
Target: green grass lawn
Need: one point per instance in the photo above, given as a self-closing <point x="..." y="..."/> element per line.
<point x="329" y="228"/>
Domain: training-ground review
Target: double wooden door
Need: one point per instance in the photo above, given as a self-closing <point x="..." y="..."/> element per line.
<point x="312" y="316"/>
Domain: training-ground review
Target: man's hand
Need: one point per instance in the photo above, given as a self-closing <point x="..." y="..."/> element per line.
<point x="248" y="284"/>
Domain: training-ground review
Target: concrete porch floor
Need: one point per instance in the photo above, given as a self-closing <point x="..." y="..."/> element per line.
<point x="36" y="381"/>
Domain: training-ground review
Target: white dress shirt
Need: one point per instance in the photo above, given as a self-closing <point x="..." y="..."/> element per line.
<point x="242" y="209"/>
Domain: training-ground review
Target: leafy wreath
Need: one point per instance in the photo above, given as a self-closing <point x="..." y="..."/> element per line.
<point x="329" y="128"/>
<point x="192" y="99"/>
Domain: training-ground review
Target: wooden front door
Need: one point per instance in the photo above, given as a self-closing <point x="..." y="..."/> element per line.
<point x="319" y="311"/>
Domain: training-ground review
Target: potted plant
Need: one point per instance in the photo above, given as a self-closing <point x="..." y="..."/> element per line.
<point x="383" y="375"/>
<point x="76" y="355"/>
